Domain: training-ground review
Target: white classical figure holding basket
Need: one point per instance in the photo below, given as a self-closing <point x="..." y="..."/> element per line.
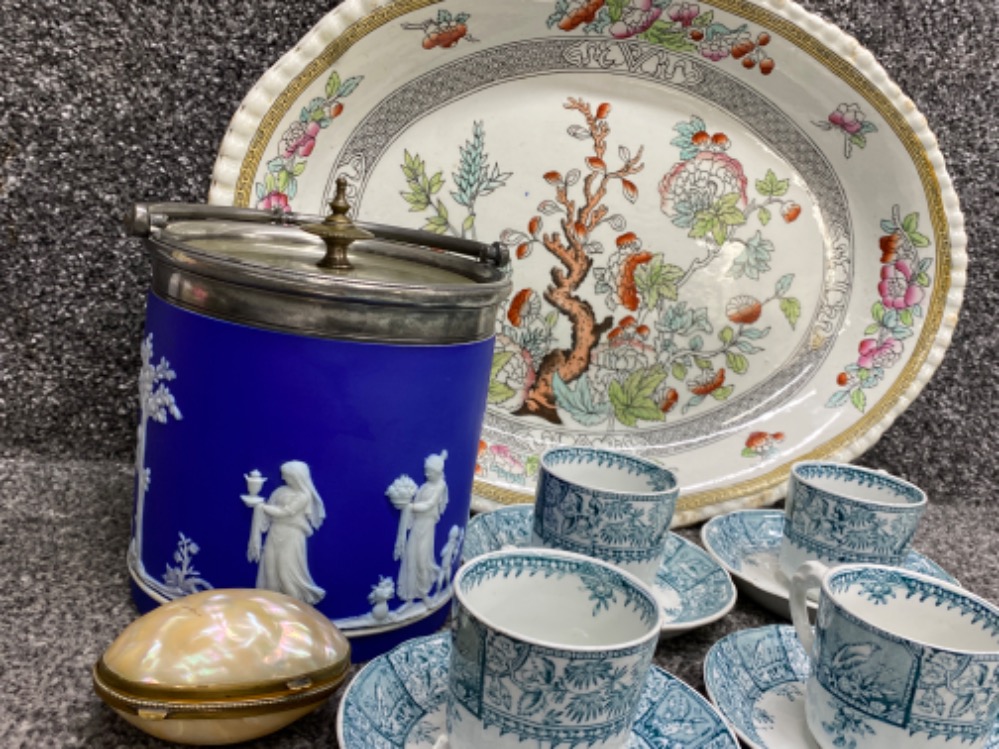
<point x="421" y="509"/>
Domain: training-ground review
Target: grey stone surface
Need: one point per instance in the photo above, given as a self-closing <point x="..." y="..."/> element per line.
<point x="109" y="102"/>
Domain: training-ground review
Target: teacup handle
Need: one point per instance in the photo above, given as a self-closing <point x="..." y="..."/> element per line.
<point x="808" y="576"/>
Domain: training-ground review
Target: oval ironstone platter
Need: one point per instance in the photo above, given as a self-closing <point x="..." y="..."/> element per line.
<point x="734" y="240"/>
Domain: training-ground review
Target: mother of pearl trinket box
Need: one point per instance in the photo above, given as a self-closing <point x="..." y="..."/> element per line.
<point x="222" y="666"/>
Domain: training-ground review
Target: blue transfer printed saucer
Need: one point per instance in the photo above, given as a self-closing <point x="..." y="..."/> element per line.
<point x="756" y="679"/>
<point x="398" y="701"/>
<point x="692" y="588"/>
<point x="747" y="544"/>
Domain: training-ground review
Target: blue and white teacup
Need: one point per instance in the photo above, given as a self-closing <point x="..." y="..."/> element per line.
<point x="606" y="505"/>
<point x="837" y="513"/>
<point x="898" y="659"/>
<point x="549" y="649"/>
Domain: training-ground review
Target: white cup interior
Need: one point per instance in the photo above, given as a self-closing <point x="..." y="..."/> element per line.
<point x="854" y="482"/>
<point x="947" y="618"/>
<point x="607" y="472"/>
<point x="561" y="610"/>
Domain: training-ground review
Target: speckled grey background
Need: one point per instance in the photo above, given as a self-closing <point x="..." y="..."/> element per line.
<point x="109" y="102"/>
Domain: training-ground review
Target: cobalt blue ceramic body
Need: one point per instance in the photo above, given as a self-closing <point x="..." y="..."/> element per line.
<point x="268" y="459"/>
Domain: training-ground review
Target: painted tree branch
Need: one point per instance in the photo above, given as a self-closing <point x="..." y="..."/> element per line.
<point x="570" y="248"/>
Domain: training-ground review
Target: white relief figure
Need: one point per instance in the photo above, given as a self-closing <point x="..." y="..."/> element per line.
<point x="288" y="518"/>
<point x="421" y="510"/>
<point x="448" y="556"/>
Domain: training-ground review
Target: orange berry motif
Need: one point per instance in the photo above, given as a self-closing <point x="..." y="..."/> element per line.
<point x="708" y="383"/>
<point x="627" y="290"/>
<point x="669" y="400"/>
<point x="516" y="312"/>
<point x="744" y="309"/>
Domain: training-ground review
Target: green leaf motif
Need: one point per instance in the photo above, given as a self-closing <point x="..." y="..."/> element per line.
<point x="737" y="362"/>
<point x="668" y="36"/>
<point x="764" y="216"/>
<point x="632" y="401"/>
<point x="499" y="392"/>
<point x="770" y="186"/>
<point x="657" y="280"/>
<point x="722" y="393"/>
<point x="791" y="308"/>
<point x="579" y="401"/>
<point x="332" y="85"/>
<point x="859" y="400"/>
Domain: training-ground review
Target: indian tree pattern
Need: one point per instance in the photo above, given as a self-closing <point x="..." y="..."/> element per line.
<point x="446" y="30"/>
<point x="851" y="121"/>
<point x="280" y="184"/>
<point x="540" y="693"/>
<point x="905" y="277"/>
<point x="632" y="365"/>
<point x="675" y="26"/>
<point x="474" y="179"/>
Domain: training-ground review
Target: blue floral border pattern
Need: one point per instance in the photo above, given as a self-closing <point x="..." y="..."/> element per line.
<point x="389" y="701"/>
<point x="880" y="678"/>
<point x="737" y="537"/>
<point x="690" y="722"/>
<point x="862" y="477"/>
<point x="618" y="529"/>
<point x="744" y="666"/>
<point x="659" y="479"/>
<point x="544" y="694"/>
<point x="603" y="584"/>
<point x="862" y="532"/>
<point x="700" y="582"/>
<point x="491" y="531"/>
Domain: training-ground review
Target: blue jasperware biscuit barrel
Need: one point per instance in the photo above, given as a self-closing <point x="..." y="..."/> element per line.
<point x="311" y="396"/>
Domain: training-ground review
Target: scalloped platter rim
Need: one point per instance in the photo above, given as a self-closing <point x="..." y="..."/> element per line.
<point x="655" y="168"/>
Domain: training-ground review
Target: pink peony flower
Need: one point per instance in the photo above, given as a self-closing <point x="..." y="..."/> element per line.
<point x="715" y="50"/>
<point x="683" y="13"/>
<point x="300" y="139"/>
<point x="884" y="355"/>
<point x="275" y="200"/>
<point x="848" y="118"/>
<point x="898" y="287"/>
<point x="702" y="180"/>
<point x="636" y="17"/>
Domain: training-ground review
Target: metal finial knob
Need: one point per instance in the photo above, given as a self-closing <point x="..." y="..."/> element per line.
<point x="337" y="230"/>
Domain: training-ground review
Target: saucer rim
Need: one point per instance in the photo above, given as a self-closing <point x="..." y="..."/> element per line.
<point x="775" y="591"/>
<point x="669" y="629"/>
<point x="445" y="635"/>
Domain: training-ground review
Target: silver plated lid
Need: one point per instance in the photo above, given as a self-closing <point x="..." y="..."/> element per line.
<point x="330" y="277"/>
